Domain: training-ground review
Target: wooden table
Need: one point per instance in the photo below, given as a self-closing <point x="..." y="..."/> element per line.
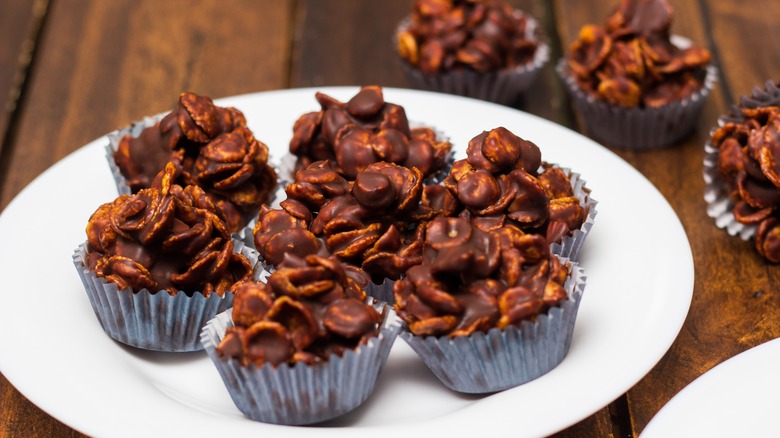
<point x="73" y="70"/>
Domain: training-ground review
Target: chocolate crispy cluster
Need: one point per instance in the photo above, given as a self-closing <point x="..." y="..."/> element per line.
<point x="630" y="61"/>
<point x="363" y="131"/>
<point x="212" y="147"/>
<point x="375" y="223"/>
<point x="164" y="238"/>
<point x="308" y="310"/>
<point x="749" y="161"/>
<point x="503" y="181"/>
<point x="483" y="36"/>
<point x="474" y="280"/>
<point x="370" y="222"/>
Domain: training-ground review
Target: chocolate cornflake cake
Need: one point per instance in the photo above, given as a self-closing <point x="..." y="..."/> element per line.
<point x="308" y="309"/>
<point x="473" y="280"/>
<point x="635" y="85"/>
<point x="159" y="264"/>
<point x="164" y="238"/>
<point x="744" y="150"/>
<point x="504" y="180"/>
<point x="369" y="223"/>
<point x="212" y="147"/>
<point x="479" y="308"/>
<point x="363" y="131"/>
<point x="482" y="36"/>
<point x="290" y="352"/>
<point x="484" y="49"/>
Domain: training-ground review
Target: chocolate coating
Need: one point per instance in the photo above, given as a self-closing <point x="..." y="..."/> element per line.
<point x="504" y="180"/>
<point x="212" y="148"/>
<point x="369" y="223"/>
<point x="317" y="310"/>
<point x="472" y="280"/>
<point x="156" y="240"/>
<point x="631" y="61"/>
<point x="363" y="131"/>
<point x="483" y="36"/>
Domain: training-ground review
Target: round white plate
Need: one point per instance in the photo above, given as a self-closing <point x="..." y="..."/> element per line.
<point x="738" y="397"/>
<point x="637" y="259"/>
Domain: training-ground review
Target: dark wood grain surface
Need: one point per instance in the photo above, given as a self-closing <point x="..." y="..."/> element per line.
<point x="73" y="70"/>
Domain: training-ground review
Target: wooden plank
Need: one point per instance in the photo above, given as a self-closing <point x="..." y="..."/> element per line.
<point x="735" y="305"/>
<point x="716" y="326"/>
<point x="105" y="64"/>
<point x="101" y="65"/>
<point x="337" y="51"/>
<point x="748" y="42"/>
<point x="18" y="22"/>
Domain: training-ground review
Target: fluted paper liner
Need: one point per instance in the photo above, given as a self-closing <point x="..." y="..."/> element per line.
<point x="504" y="86"/>
<point x="153" y="321"/>
<point x="639" y="128"/>
<point x="495" y="360"/>
<point x="303" y="394"/>
<point x="720" y="205"/>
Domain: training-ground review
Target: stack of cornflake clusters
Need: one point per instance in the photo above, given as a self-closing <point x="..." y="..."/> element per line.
<point x="479" y="298"/>
<point x="467" y="256"/>
<point x="631" y="60"/>
<point x="379" y="232"/>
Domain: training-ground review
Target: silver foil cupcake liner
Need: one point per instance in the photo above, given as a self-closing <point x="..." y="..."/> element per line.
<point x="720" y="205"/>
<point x="639" y="128"/>
<point x="504" y="86"/>
<point x="570" y="245"/>
<point x="495" y="360"/>
<point x="303" y="394"/>
<point x="153" y="321"/>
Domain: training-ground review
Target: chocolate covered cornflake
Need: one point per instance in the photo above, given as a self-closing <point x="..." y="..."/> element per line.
<point x="211" y="147"/>
<point x="630" y="61"/>
<point x="308" y="310"/>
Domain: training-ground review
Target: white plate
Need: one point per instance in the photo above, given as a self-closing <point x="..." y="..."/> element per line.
<point x="637" y="259"/>
<point x="738" y="397"/>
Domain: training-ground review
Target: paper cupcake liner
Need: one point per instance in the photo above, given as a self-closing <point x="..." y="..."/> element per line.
<point x="503" y="86"/>
<point x="492" y="361"/>
<point x="639" y="128"/>
<point x="303" y="394"/>
<point x="720" y="205"/>
<point x="570" y="246"/>
<point x="152" y="321"/>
